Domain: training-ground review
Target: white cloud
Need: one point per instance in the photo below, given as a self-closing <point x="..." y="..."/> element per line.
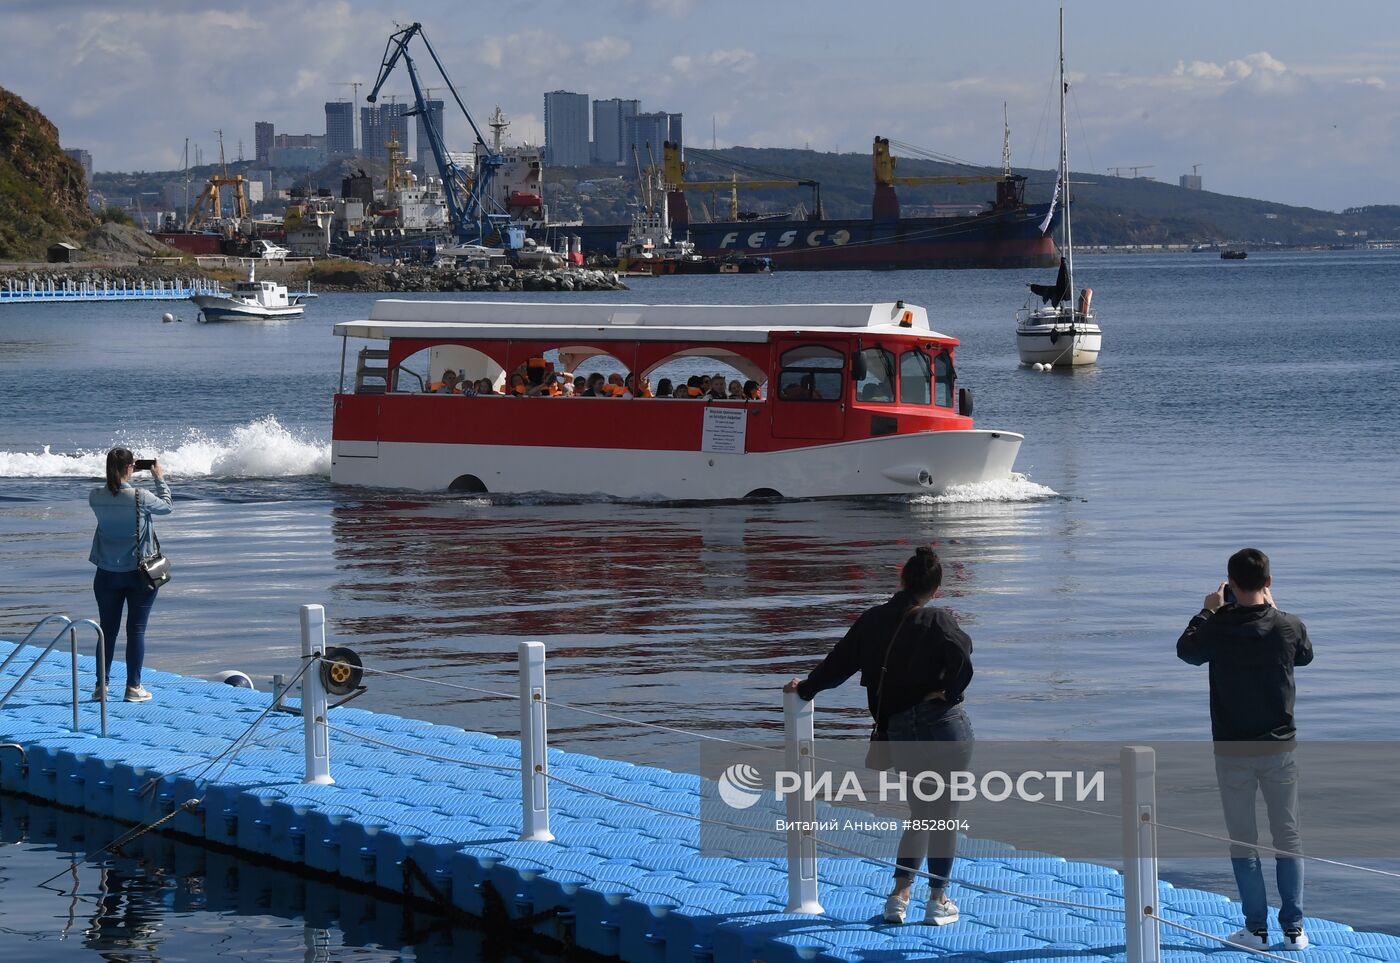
<point x="1372" y="81"/>
<point x="735" y="60"/>
<point x="605" y="50"/>
<point x="1199" y="70"/>
<point x="531" y="49"/>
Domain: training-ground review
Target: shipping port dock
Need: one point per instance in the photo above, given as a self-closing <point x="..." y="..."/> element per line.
<point x="436" y="815"/>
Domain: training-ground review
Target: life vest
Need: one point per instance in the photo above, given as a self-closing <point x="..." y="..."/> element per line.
<point x="517" y="390"/>
<point x="693" y="392"/>
<point x="614" y="391"/>
<point x="646" y="393"/>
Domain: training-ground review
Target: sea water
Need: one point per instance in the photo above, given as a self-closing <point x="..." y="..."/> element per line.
<point x="1235" y="403"/>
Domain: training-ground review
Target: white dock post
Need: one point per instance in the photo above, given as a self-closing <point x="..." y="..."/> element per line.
<point x="1142" y="932"/>
<point x="799" y="733"/>
<point x="534" y="745"/>
<point x="313" y="697"/>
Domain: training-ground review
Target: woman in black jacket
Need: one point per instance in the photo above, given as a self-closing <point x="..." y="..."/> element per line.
<point x="915" y="663"/>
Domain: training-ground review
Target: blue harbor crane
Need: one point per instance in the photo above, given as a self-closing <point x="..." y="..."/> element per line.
<point x="468" y="195"/>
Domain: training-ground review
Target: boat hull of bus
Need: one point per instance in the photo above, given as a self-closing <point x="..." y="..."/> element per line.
<point x="905" y="464"/>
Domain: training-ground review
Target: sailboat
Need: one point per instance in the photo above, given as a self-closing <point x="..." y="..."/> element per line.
<point x="1055" y="328"/>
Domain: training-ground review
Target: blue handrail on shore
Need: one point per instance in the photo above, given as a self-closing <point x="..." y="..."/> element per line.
<point x="176" y="289"/>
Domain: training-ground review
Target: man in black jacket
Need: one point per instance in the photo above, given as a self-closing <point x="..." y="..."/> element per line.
<point x="1252" y="649"/>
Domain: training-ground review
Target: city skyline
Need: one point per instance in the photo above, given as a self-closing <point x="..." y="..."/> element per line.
<point x="1281" y="101"/>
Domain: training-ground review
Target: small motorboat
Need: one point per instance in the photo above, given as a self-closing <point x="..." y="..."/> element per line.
<point x="251" y="300"/>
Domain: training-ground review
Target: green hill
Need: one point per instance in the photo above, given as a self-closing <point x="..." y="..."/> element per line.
<point x="43" y="198"/>
<point x="1108" y="210"/>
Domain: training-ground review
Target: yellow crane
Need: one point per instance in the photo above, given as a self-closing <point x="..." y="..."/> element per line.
<point x="673" y="175"/>
<point x="211" y="198"/>
<point x="884" y="163"/>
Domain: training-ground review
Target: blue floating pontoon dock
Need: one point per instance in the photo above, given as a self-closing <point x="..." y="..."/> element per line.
<point x="176" y="289"/>
<point x="443" y="823"/>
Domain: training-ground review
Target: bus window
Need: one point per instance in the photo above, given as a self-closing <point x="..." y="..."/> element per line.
<point x="811" y="373"/>
<point x="878" y="384"/>
<point x="915" y="378"/>
<point x="943" y="377"/>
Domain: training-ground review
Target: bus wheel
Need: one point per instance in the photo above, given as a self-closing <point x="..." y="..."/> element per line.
<point x="467" y="484"/>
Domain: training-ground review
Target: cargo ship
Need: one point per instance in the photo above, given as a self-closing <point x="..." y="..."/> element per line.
<point x="1007" y="232"/>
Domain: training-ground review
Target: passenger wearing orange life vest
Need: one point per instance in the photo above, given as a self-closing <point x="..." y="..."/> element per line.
<point x="615" y="388"/>
<point x="446" y="385"/>
<point x="636" y="389"/>
<point x="693" y="388"/>
<point x="517" y="386"/>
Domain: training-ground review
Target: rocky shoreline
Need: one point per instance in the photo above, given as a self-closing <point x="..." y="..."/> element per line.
<point x="327" y="276"/>
<point x="473" y="279"/>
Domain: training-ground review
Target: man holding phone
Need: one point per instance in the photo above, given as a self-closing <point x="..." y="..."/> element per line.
<point x="1252" y="649"/>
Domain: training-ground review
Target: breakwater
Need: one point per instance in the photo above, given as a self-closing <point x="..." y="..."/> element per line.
<point x="349" y="276"/>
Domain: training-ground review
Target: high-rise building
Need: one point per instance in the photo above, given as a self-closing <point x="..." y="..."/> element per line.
<point x="650" y="129"/>
<point x="340" y="128"/>
<point x="566" y="128"/>
<point x="83" y="158"/>
<point x="379" y="125"/>
<point x="422" y="152"/>
<point x="262" y="142"/>
<point x="676" y="137"/>
<point x="609" y="120"/>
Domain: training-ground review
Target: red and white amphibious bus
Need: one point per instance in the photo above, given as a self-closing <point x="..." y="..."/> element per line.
<point x="856" y="399"/>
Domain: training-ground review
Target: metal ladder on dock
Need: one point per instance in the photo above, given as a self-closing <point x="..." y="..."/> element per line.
<point x="69" y="628"/>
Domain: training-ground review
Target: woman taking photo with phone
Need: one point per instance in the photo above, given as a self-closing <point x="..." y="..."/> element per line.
<point x="915" y="663"/>
<point x="125" y="538"/>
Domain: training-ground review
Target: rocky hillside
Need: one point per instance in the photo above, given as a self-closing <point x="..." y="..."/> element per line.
<point x="42" y="195"/>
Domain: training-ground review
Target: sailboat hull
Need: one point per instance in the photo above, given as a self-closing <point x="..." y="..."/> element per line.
<point x="1059" y="341"/>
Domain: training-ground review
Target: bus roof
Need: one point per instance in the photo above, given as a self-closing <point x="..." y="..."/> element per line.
<point x="494" y="320"/>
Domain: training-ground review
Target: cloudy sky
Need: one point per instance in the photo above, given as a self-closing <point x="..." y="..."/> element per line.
<point x="1292" y="101"/>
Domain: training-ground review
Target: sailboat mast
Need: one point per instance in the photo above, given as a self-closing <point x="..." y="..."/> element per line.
<point x="1064" y="162"/>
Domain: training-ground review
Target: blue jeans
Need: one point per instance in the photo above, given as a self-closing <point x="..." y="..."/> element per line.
<point x="113" y="590"/>
<point x="930" y="736"/>
<point x="1241" y="779"/>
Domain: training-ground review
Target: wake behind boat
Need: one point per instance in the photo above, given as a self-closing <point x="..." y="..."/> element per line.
<point x="251" y="300"/>
<point x="1059" y="330"/>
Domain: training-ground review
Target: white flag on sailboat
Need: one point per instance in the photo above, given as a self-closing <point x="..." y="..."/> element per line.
<point x="1050" y="214"/>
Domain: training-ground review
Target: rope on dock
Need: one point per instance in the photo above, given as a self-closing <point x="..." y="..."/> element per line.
<point x="450" y="685"/>
<point x="663" y="728"/>
<point x="1278" y="852"/>
<point x="419" y="752"/>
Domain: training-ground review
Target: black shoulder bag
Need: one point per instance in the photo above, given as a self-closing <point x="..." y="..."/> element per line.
<point x="879" y="755"/>
<point x="154" y="569"/>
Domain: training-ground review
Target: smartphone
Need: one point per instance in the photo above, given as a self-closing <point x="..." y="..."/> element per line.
<point x="145" y="464"/>
<point x="1229" y="594"/>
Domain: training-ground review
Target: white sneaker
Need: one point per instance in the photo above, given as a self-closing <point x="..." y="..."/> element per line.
<point x="1295" y="939"/>
<point x="895" y="908"/>
<point x="1258" y="940"/>
<point x="137" y="694"/>
<point x="942" y="913"/>
<point x="99" y="694"/>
